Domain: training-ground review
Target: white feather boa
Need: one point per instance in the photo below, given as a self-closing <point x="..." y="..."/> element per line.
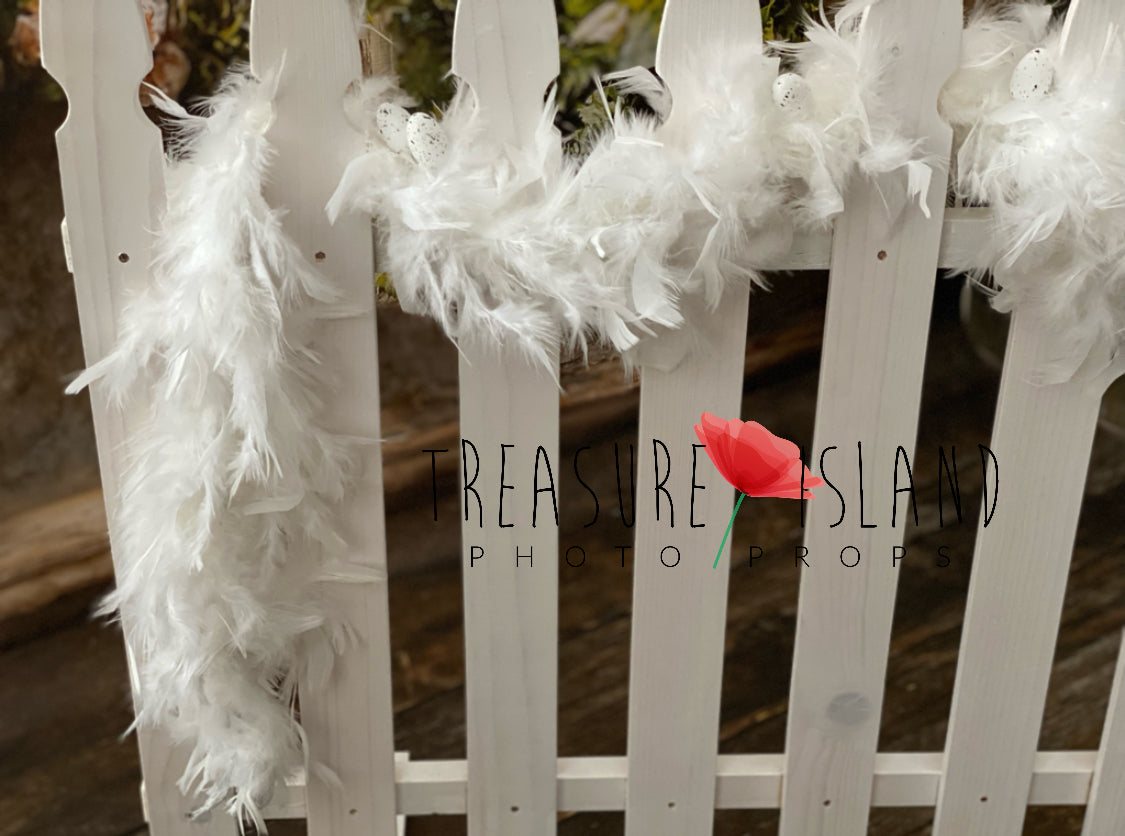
<point x="1043" y="144"/>
<point x="746" y="158"/>
<point x="226" y="522"/>
<point x="473" y="230"/>
<point x="657" y="219"/>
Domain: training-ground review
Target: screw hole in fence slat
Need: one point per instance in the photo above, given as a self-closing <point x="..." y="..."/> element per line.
<point x="882" y="255"/>
<point x="123" y="258"/>
<point x="320" y="256"/>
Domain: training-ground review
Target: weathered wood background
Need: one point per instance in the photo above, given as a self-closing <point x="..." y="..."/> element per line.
<point x="64" y="692"/>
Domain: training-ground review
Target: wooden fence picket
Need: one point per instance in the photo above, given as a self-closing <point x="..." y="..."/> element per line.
<point x="1043" y="434"/>
<point x="507" y="51"/>
<point x="350" y="725"/>
<point x="1105" y="813"/>
<point x="110" y="159"/>
<point x="880" y="292"/>
<point x="679" y="600"/>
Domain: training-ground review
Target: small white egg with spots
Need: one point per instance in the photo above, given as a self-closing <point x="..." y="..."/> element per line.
<point x="1033" y="77"/>
<point x="793" y="94"/>
<point x="391" y="120"/>
<point x="427" y="140"/>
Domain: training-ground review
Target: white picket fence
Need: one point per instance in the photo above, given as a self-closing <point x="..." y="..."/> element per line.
<point x="883" y="266"/>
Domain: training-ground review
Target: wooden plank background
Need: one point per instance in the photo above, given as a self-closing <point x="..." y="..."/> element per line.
<point x="64" y="693"/>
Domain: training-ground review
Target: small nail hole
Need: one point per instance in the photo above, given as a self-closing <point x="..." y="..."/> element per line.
<point x="320" y="256"/>
<point x="515" y="809"/>
<point x="827" y="802"/>
<point x="983" y="799"/>
<point x="882" y="255"/>
<point x="123" y="258"/>
<point x="671" y="804"/>
<point x="352" y="811"/>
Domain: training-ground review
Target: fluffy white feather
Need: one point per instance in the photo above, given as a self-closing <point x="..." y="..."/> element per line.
<point x="679" y="205"/>
<point x="715" y="193"/>
<point x="850" y="129"/>
<point x="1052" y="168"/>
<point x="496" y="244"/>
<point x="476" y="237"/>
<point x="226" y="528"/>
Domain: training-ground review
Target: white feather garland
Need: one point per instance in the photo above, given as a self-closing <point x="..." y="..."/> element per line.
<point x="1043" y="144"/>
<point x="501" y="245"/>
<point x="745" y="158"/>
<point x="473" y="232"/>
<point x="226" y="515"/>
<point x="852" y="129"/>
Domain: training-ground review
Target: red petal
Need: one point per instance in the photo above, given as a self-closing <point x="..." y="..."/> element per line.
<point x="713" y="433"/>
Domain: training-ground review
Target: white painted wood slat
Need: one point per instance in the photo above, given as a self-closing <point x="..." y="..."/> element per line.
<point x="507" y="51"/>
<point x="1042" y="437"/>
<point x="110" y="160"/>
<point x="880" y="294"/>
<point x="679" y="599"/>
<point x="964" y="233"/>
<point x="349" y="724"/>
<point x="1105" y="815"/>
<point x="743" y="782"/>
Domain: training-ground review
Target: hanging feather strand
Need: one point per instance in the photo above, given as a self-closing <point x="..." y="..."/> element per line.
<point x="226" y="526"/>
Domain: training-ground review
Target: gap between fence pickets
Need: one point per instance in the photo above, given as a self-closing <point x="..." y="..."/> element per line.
<point x="744" y="782"/>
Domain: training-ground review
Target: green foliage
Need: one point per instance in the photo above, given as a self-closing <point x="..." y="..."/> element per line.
<point x="783" y="20"/>
<point x="8" y="11"/>
<point x="421" y="30"/>
<point x="213" y="35"/>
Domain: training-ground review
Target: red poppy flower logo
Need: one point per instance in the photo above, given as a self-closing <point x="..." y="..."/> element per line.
<point x="755" y="461"/>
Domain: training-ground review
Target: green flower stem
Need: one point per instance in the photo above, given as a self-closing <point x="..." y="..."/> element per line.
<point x="730" y="525"/>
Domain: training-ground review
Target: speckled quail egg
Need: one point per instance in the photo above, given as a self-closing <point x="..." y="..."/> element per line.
<point x="427" y="140"/>
<point x="1033" y="77"/>
<point x="793" y="94"/>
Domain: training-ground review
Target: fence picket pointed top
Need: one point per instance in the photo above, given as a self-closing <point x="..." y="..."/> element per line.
<point x="120" y="20"/>
<point x="689" y="27"/>
<point x="917" y="45"/>
<point x="508" y="52"/>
